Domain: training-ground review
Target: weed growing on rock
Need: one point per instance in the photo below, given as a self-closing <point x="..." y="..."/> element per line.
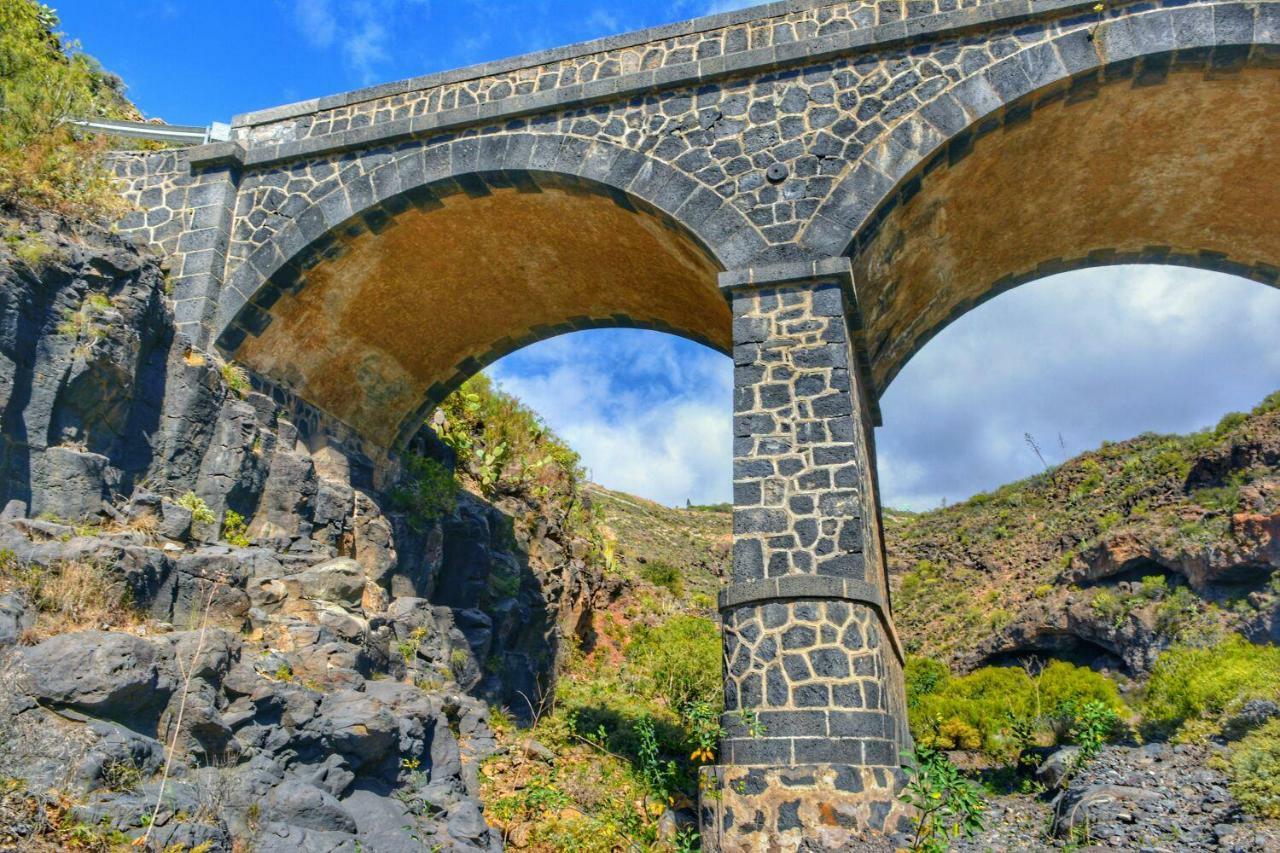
<point x="236" y="378"/>
<point x="200" y="511"/>
<point x="458" y="660"/>
<point x="29" y="247"/>
<point x="81" y="323"/>
<point x="234" y="529"/>
<point x="121" y="775"/>
<point x="427" y="490"/>
<point x="70" y="596"/>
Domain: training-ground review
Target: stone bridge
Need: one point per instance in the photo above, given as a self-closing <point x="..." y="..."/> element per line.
<point x="814" y="187"/>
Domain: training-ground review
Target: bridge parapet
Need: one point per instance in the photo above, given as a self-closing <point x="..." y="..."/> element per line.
<point x="703" y="49"/>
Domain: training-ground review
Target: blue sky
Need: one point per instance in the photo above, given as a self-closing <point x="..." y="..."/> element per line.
<point x="1076" y="359"/>
<point x="196" y="62"/>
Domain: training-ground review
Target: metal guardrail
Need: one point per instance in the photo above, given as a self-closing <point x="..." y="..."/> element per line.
<point x="216" y="132"/>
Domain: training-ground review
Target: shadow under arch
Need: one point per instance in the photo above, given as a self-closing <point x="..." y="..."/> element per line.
<point x="374" y="315"/>
<point x="1149" y="140"/>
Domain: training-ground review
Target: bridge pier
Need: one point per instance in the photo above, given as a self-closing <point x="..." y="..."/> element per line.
<point x="815" y="716"/>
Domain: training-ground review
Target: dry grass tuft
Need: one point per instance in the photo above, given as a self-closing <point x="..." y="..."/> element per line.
<point x="72" y="596"/>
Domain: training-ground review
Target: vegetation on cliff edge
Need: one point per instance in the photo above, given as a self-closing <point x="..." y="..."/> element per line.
<point x="45" y="80"/>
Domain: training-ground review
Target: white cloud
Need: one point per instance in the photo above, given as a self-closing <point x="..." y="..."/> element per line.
<point x="718" y="6"/>
<point x="698" y="8"/>
<point x="649" y="413"/>
<point x="1090" y="355"/>
<point x="358" y="30"/>
<point x="316" y="21"/>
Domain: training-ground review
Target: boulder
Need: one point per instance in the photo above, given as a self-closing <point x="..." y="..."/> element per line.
<point x="108" y="675"/>
<point x="358" y="726"/>
<point x="1251" y="715"/>
<point x="118" y="750"/>
<point x="340" y="581"/>
<point x="299" y="804"/>
<point x="70" y="484"/>
<point x="1101" y="805"/>
<point x="1055" y="769"/>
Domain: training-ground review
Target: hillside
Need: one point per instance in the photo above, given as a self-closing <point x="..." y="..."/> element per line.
<point x="1137" y="559"/>
<point x="1105" y="559"/>
<point x="656" y="542"/>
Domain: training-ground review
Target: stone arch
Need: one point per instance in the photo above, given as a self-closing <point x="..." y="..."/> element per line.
<point x="515" y="236"/>
<point x="1141" y="141"/>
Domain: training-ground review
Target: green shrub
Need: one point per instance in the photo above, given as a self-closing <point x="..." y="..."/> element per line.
<point x="983" y="700"/>
<point x="1107" y="605"/>
<point x="679" y="660"/>
<point x="947" y="806"/>
<point x="995" y="702"/>
<point x="924" y="677"/>
<point x="1176" y="611"/>
<point x="1095" y="724"/>
<point x="1229" y="422"/>
<point x="957" y="734"/>
<point x="1062" y="683"/>
<point x="200" y="511"/>
<point x="1190" y="683"/>
<point x="1271" y="403"/>
<point x="427" y="490"/>
<point x="1154" y="587"/>
<point x="45" y="80"/>
<point x="1253" y="765"/>
<point x="234" y="529"/>
<point x="665" y="575"/>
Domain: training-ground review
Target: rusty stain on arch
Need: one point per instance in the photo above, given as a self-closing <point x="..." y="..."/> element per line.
<point x="400" y="312"/>
<point x="1185" y="171"/>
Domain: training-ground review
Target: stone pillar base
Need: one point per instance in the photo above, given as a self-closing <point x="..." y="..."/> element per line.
<point x="809" y="807"/>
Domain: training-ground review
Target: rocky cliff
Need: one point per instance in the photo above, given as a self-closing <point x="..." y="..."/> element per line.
<point x="199" y="573"/>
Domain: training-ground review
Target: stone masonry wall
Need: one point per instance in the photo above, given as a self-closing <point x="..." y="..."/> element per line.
<point x="813" y="684"/>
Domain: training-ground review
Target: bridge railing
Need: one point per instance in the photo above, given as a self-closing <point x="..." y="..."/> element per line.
<point x="173" y="133"/>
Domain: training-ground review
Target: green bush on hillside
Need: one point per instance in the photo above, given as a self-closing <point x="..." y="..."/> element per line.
<point x="1253" y="766"/>
<point x="1205" y="683"/>
<point x="427" y="490"/>
<point x="996" y="708"/>
<point x="665" y="575"/>
<point x="487" y="427"/>
<point x="45" y="80"/>
<point x="924" y="676"/>
<point x="679" y="660"/>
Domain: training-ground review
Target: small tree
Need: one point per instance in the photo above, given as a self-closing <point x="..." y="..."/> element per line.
<point x="947" y="805"/>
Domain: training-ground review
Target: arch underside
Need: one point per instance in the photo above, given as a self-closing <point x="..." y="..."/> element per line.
<point x="390" y="312"/>
<point x="1140" y="163"/>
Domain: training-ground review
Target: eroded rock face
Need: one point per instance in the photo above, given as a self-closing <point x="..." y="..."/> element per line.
<point x="342" y="657"/>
